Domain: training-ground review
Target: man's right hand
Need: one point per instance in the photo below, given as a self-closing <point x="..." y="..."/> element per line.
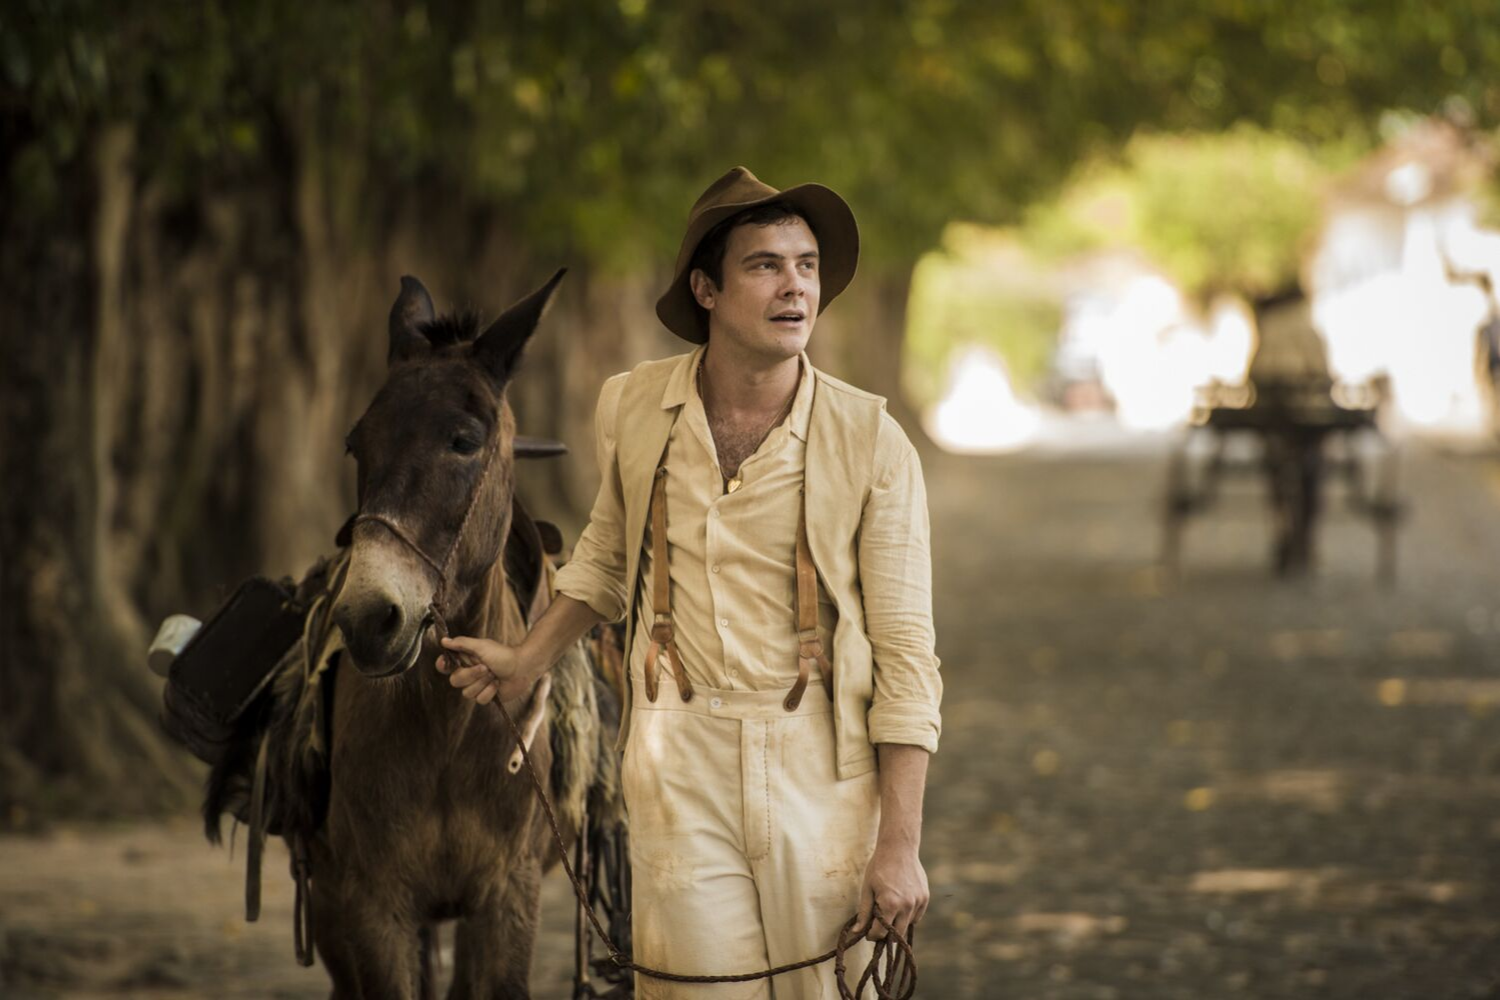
<point x="485" y="669"/>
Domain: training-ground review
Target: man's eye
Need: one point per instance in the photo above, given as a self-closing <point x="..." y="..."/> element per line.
<point x="463" y="444"/>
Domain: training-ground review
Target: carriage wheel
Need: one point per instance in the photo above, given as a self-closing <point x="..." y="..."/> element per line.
<point x="1387" y="509"/>
<point x="1177" y="506"/>
<point x="1294" y="470"/>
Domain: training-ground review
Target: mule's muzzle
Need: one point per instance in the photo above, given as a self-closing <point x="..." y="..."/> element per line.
<point x="381" y="636"/>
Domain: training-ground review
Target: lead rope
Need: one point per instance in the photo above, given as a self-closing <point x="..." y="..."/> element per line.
<point x="898" y="979"/>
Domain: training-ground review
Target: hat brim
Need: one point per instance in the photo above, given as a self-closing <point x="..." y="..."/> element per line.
<point x="838" y="253"/>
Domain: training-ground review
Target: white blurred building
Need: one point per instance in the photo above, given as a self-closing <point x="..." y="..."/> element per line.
<point x="1385" y="277"/>
<point x="1388" y="297"/>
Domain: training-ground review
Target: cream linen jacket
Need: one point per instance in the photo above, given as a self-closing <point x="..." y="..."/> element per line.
<point x="867" y="527"/>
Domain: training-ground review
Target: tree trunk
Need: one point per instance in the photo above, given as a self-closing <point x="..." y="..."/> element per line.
<point x="181" y="370"/>
<point x="862" y="339"/>
<point x="77" y="731"/>
<point x="599" y="327"/>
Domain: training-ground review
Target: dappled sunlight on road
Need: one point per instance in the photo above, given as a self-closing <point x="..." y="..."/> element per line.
<point x="1218" y="785"/>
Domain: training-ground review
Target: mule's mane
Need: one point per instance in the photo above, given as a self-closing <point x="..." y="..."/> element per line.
<point x="452" y="328"/>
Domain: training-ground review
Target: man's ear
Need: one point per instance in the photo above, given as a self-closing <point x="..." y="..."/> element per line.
<point x="703" y="287"/>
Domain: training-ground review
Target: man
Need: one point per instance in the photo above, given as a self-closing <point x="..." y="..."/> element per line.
<point x="754" y="515"/>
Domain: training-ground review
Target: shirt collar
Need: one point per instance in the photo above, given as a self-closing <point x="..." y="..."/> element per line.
<point x="680" y="385"/>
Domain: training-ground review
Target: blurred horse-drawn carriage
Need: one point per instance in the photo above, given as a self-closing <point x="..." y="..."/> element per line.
<point x="1297" y="428"/>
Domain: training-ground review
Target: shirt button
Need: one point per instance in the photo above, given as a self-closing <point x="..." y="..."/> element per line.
<point x="716" y="567"/>
<point x="716" y="512"/>
<point x="724" y="622"/>
<point x="716" y="703"/>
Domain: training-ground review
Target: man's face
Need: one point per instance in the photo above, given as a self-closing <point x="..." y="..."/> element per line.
<point x="769" y="298"/>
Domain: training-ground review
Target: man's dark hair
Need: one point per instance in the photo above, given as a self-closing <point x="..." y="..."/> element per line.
<point x="709" y="256"/>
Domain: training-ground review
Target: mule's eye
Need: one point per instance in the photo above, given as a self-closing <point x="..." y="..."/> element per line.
<point x="464" y="444"/>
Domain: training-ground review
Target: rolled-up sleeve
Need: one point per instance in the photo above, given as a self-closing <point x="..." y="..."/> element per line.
<point x="595" y="574"/>
<point x="895" y="571"/>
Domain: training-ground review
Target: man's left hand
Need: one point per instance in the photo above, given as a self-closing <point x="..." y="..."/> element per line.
<point x="895" y="879"/>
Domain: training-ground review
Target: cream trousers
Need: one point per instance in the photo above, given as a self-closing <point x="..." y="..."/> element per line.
<point x="746" y="850"/>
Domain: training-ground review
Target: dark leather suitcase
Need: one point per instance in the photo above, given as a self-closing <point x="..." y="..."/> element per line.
<point x="226" y="667"/>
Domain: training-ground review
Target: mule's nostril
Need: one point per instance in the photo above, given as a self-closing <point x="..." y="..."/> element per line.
<point x="344" y="620"/>
<point x="391" y="622"/>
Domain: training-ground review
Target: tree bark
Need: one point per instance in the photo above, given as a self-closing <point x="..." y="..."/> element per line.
<point x="599" y="327"/>
<point x="181" y="370"/>
<point x="182" y="366"/>
<point x="77" y="732"/>
<point x="862" y="339"/>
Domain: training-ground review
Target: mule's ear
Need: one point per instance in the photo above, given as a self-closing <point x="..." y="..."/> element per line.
<point x="412" y="309"/>
<point x="499" y="347"/>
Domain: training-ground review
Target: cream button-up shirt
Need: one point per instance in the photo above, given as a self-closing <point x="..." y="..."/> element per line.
<point x="731" y="556"/>
<point x="732" y="559"/>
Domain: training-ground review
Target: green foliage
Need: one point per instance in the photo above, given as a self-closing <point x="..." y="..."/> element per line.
<point x="1488" y="196"/>
<point x="589" y="123"/>
<point x="1230" y="212"/>
<point x="979" y="288"/>
<point x="1217" y="212"/>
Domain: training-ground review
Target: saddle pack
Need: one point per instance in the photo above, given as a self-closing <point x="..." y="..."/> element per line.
<point x="250" y="692"/>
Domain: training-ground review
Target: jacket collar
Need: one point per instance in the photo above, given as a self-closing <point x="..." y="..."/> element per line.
<point x="680" y="383"/>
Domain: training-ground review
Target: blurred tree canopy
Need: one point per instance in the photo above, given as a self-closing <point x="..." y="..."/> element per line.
<point x="1231" y="212"/>
<point x="588" y="120"/>
<point x="983" y="286"/>
<point x="207" y="205"/>
<point x="1217" y="212"/>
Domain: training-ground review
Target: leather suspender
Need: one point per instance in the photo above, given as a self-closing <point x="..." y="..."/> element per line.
<point x="663" y="636"/>
<point x="810" y="651"/>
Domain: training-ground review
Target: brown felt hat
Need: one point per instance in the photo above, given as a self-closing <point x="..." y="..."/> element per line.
<point x="827" y="213"/>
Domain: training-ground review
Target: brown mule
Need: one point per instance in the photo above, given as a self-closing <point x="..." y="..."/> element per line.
<point x="424" y="820"/>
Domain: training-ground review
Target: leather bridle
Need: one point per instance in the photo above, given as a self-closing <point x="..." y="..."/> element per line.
<point x="437" y="607"/>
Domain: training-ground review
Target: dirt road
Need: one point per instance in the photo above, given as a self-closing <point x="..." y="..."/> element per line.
<point x="1218" y="786"/>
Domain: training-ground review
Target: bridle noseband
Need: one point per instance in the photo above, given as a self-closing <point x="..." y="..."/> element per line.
<point x="437" y="607"/>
